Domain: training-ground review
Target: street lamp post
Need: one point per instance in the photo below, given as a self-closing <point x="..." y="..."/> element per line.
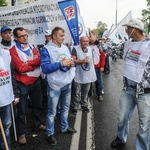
<point x="12" y="2"/>
<point x="116" y="13"/>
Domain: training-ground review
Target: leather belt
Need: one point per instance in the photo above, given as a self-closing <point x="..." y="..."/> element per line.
<point x="147" y="90"/>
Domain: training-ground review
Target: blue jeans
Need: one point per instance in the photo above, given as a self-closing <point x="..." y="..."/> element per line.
<point x="128" y="102"/>
<point x="34" y="91"/>
<point x="62" y="95"/>
<point x="5" y="115"/>
<point x="98" y="82"/>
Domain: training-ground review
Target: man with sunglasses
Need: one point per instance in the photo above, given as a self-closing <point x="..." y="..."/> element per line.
<point x="136" y="91"/>
<point x="26" y="61"/>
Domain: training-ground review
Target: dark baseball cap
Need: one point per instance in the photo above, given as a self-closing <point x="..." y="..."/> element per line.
<point x="4" y="28"/>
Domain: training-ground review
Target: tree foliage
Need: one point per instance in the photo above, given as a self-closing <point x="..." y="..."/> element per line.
<point x="146" y="16"/>
<point x="3" y="3"/>
<point x="101" y="27"/>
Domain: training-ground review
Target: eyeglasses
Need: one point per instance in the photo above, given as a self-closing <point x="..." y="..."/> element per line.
<point x="22" y="36"/>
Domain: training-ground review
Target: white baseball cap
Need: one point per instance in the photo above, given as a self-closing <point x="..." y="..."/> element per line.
<point x="135" y="23"/>
<point x="47" y="32"/>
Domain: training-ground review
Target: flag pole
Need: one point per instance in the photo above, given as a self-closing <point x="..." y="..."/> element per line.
<point x="13" y="119"/>
<point x="3" y="135"/>
<point x="120" y="23"/>
<point x="116" y="11"/>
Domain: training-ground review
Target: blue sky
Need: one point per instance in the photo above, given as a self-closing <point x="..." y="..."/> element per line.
<point x="93" y="11"/>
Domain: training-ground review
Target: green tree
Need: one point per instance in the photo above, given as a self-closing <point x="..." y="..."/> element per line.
<point x="101" y="27"/>
<point x="146" y="16"/>
<point x="148" y="2"/>
<point x="3" y="3"/>
<point x="101" y="24"/>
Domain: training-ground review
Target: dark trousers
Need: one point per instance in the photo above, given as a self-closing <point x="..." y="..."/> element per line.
<point x="79" y="94"/>
<point x="107" y="65"/>
<point x="34" y="91"/>
<point x="98" y="82"/>
<point x="44" y="92"/>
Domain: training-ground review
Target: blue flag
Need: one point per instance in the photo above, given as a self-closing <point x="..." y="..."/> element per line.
<point x="69" y="11"/>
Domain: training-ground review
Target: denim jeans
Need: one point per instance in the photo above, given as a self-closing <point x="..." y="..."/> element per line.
<point x="62" y="95"/>
<point x="98" y="82"/>
<point x="128" y="101"/>
<point x="5" y="115"/>
<point x="79" y="94"/>
<point x="34" y="91"/>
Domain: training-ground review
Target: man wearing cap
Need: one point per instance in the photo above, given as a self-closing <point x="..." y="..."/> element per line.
<point x="6" y="38"/>
<point x="136" y="90"/>
<point x="47" y="36"/>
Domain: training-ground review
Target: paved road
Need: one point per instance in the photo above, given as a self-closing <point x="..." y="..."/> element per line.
<point x="96" y="129"/>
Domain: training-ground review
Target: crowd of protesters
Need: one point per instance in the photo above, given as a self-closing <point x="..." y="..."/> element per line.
<point x="61" y="69"/>
<point x="66" y="75"/>
<point x="66" y="78"/>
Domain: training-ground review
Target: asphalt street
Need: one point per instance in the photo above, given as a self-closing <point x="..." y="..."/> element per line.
<point x="96" y="130"/>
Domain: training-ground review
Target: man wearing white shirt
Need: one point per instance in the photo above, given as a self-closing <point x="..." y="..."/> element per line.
<point x="59" y="68"/>
<point x="6" y="95"/>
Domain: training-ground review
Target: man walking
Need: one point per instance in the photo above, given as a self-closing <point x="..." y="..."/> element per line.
<point x="136" y="91"/>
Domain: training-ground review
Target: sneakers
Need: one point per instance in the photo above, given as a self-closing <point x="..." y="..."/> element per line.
<point x="22" y="139"/>
<point x="69" y="130"/>
<point x="73" y="111"/>
<point x="40" y="128"/>
<point x="117" y="142"/>
<point x="85" y="109"/>
<point x="100" y="98"/>
<point x="51" y="140"/>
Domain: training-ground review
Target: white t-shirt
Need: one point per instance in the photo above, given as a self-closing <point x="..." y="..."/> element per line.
<point x="6" y="89"/>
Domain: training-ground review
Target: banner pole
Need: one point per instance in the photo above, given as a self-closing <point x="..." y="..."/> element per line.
<point x="119" y="23"/>
<point x="13" y="119"/>
<point x="3" y="135"/>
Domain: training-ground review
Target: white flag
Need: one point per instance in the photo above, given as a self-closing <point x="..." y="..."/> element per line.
<point x="118" y="34"/>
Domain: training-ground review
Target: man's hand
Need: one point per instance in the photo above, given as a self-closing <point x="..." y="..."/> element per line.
<point x="92" y="37"/>
<point x="86" y="60"/>
<point x="101" y="69"/>
<point x="16" y="100"/>
<point x="35" y="56"/>
<point x="67" y="63"/>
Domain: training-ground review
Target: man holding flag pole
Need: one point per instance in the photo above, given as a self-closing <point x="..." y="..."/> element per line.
<point x="7" y="86"/>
